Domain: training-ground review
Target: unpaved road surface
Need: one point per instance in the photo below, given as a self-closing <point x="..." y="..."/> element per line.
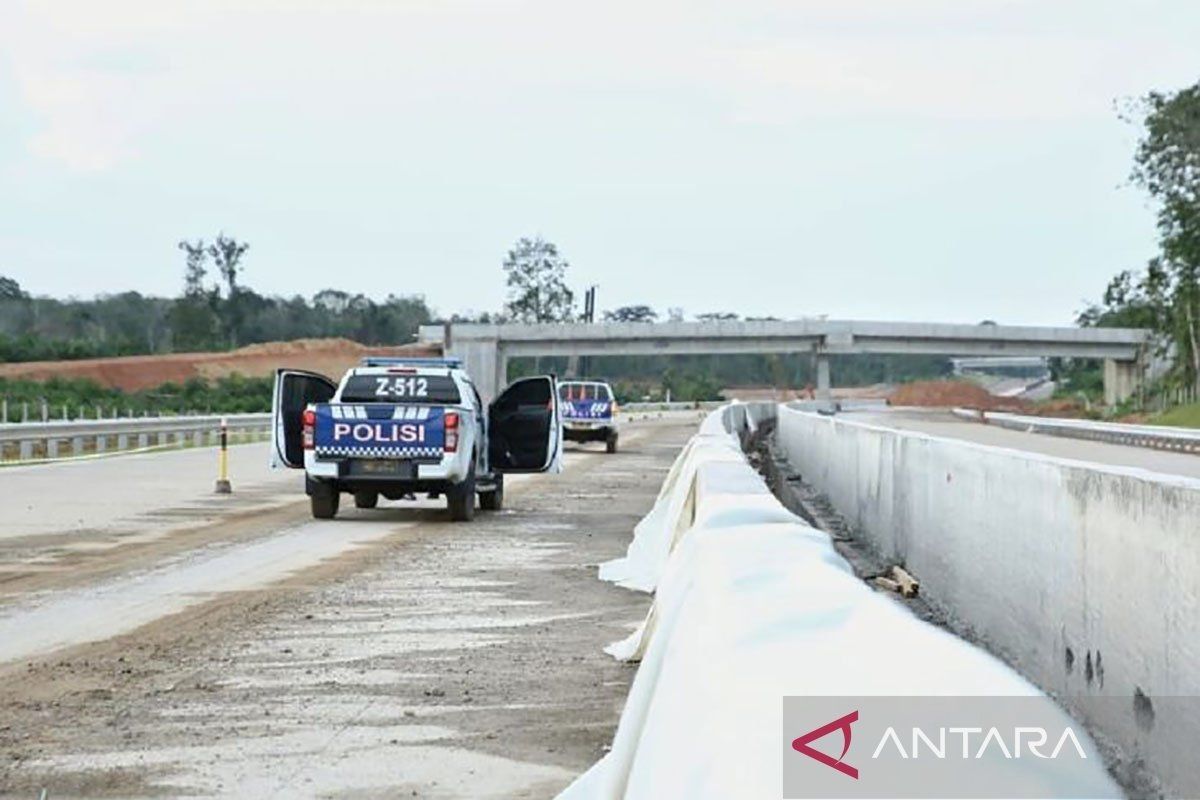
<point x="249" y="651"/>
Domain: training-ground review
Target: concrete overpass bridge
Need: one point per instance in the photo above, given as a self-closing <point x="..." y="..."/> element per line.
<point x="486" y="349"/>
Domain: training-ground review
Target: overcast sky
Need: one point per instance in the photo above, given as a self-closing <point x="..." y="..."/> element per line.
<point x="950" y="160"/>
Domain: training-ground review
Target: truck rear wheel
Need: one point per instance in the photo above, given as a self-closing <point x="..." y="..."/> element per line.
<point x="493" y="499"/>
<point x="460" y="499"/>
<point x="324" y="499"/>
<point x="610" y="443"/>
<point x="366" y="499"/>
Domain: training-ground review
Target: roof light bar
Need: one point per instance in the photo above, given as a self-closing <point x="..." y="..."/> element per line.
<point x="401" y="361"/>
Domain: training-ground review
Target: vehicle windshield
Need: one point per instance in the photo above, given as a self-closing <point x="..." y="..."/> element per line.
<point x="394" y="388"/>
<point x="584" y="391"/>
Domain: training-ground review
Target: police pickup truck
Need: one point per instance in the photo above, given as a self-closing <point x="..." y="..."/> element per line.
<point x="589" y="412"/>
<point x="397" y="426"/>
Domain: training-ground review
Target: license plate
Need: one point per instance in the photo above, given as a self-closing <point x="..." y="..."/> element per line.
<point x="382" y="466"/>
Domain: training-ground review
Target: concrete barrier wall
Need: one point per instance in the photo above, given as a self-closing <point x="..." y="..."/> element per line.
<point x="752" y="605"/>
<point x="1085" y="577"/>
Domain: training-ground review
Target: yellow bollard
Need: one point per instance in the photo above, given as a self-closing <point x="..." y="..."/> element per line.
<point x="223" y="484"/>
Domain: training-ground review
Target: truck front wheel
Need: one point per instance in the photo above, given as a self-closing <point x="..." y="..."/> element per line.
<point x="324" y="500"/>
<point x="610" y="442"/>
<point x="460" y="499"/>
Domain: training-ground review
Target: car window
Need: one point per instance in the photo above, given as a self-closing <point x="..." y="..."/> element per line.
<point x="583" y="391"/>
<point x="401" y="388"/>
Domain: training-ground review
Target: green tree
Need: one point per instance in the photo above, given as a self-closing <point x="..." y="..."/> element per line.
<point x="11" y="290"/>
<point x="1167" y="165"/>
<point x="193" y="317"/>
<point x="535" y="274"/>
<point x="196" y="269"/>
<point x="640" y="313"/>
<point x="1131" y="300"/>
<point x="226" y="253"/>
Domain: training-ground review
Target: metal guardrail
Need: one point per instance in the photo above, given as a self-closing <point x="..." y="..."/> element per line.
<point x="1186" y="440"/>
<point x="697" y="405"/>
<point x="29" y="440"/>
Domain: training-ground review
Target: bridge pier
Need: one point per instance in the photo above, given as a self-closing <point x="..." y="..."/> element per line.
<point x="485" y="361"/>
<point x="1122" y="380"/>
<point x="824" y="391"/>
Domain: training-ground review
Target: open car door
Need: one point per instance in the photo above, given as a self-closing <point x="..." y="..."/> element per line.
<point x="524" y="427"/>
<point x="294" y="391"/>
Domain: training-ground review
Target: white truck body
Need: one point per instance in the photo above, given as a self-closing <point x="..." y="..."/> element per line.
<point x="395" y="427"/>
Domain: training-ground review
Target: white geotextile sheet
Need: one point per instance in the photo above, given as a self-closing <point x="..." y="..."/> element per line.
<point x="746" y="615"/>
<point x="726" y="494"/>
<point x="652" y="537"/>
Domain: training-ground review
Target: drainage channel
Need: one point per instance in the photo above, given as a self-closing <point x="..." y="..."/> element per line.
<point x="814" y="507"/>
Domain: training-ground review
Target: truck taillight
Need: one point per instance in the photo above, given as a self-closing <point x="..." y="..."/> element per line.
<point x="308" y="420"/>
<point x="615" y="409"/>
<point x="451" y="445"/>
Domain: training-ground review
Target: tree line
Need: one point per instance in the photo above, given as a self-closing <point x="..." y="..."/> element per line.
<point x="83" y="398"/>
<point x="218" y="311"/>
<point x="1164" y="294"/>
<point x="211" y="314"/>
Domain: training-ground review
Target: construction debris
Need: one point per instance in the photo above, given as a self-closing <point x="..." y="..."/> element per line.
<point x="900" y="582"/>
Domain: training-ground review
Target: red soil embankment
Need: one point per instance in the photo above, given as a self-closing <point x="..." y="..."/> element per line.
<point x="132" y="373"/>
<point x="949" y="394"/>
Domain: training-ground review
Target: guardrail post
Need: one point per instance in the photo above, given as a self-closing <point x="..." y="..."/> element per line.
<point x="52" y="448"/>
<point x="101" y="443"/>
<point x="24" y="412"/>
<point x="223" y="484"/>
<point x="4" y="410"/>
<point x="122" y="441"/>
<point x="77" y="446"/>
<point x="26" y="450"/>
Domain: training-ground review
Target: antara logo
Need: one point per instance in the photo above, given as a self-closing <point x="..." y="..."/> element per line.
<point x="990" y="742"/>
<point x="800" y="744"/>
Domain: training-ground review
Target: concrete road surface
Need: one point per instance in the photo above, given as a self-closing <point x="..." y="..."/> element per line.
<point x="156" y="640"/>
<point x="938" y="422"/>
<point x="122" y="494"/>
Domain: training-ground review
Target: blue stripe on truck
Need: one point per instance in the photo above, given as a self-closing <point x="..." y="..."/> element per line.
<point x="586" y="409"/>
<point x="364" y="431"/>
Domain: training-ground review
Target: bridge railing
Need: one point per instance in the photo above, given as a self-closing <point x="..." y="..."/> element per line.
<point x="1185" y="440"/>
<point x="25" y="441"/>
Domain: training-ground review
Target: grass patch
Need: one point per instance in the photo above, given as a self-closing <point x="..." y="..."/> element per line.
<point x="1180" y="417"/>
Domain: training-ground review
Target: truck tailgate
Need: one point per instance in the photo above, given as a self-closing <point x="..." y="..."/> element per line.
<point x="364" y="430"/>
<point x="598" y="410"/>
